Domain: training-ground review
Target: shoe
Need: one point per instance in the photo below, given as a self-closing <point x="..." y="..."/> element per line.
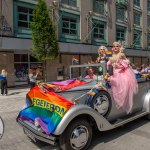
<point x="5" y="94"/>
<point x="2" y="94"/>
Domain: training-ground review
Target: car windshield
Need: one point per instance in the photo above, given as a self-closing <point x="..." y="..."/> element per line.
<point x="91" y="71"/>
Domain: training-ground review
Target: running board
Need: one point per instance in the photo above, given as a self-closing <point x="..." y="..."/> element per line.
<point x="125" y="120"/>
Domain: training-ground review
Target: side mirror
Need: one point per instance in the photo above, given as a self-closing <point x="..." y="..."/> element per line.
<point x="110" y="70"/>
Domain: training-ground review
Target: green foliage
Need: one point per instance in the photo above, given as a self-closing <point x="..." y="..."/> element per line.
<point x="45" y="45"/>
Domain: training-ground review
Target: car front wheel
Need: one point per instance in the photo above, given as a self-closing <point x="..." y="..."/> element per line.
<point x="77" y="136"/>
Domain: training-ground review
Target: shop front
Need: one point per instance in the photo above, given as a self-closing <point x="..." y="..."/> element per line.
<point x="22" y="64"/>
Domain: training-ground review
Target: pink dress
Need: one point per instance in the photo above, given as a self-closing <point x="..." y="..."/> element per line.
<point x="123" y="84"/>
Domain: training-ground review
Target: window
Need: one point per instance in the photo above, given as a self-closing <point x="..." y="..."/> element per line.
<point x="120" y="33"/>
<point x="148" y="5"/>
<point x="148" y="21"/>
<point x="137" y="18"/>
<point x="148" y="40"/>
<point x="22" y="18"/>
<point x="70" y="2"/>
<point x="137" y="38"/>
<point x="120" y="14"/>
<point x="137" y="2"/>
<point x="99" y="31"/>
<point x="69" y="27"/>
<point x="99" y="6"/>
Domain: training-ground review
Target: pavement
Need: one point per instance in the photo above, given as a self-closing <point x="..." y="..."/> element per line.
<point x="132" y="136"/>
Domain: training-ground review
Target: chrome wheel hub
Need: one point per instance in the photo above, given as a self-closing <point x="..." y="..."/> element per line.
<point x="79" y="137"/>
<point x="101" y="104"/>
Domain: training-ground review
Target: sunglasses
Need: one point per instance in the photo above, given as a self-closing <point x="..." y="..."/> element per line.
<point x="115" y="46"/>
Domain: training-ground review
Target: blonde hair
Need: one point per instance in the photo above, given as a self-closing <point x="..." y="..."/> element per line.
<point x="119" y="44"/>
<point x="101" y="47"/>
<point x="3" y="73"/>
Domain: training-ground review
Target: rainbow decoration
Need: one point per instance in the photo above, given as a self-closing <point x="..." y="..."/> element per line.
<point x="108" y="53"/>
<point x="47" y="108"/>
<point x="93" y="92"/>
<point x="75" y="60"/>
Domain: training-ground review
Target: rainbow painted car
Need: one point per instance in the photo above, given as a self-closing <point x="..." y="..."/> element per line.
<point x="67" y="112"/>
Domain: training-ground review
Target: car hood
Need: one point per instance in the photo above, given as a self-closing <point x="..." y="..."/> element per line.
<point x="87" y="86"/>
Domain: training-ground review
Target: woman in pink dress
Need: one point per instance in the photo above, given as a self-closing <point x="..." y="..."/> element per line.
<point x="123" y="82"/>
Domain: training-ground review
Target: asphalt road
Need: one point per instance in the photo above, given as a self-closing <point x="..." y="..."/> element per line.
<point x="132" y="136"/>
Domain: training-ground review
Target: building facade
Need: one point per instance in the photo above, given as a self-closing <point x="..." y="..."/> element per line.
<point x="81" y="27"/>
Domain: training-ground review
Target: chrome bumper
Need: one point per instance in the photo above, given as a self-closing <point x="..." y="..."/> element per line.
<point x="35" y="133"/>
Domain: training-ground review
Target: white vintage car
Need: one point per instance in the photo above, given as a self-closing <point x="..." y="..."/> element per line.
<point x="75" y="130"/>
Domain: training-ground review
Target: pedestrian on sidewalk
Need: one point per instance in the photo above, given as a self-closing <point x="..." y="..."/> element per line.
<point x="3" y="78"/>
<point x="32" y="77"/>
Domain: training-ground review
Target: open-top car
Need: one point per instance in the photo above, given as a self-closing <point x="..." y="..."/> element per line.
<point x="66" y="112"/>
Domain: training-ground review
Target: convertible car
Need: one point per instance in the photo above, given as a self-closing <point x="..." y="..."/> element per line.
<point x="67" y="112"/>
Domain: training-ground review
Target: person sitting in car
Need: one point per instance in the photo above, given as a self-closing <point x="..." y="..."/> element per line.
<point x="136" y="72"/>
<point x="90" y="73"/>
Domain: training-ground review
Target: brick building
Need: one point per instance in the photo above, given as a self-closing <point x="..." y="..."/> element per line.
<point x="82" y="26"/>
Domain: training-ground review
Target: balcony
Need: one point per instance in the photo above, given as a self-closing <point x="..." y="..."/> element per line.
<point x="122" y="3"/>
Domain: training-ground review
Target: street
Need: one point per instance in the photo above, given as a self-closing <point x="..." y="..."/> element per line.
<point x="132" y="136"/>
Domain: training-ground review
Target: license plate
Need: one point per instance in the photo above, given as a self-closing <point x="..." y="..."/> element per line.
<point x="30" y="135"/>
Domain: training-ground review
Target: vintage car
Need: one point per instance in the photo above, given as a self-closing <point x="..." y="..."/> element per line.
<point x="75" y="129"/>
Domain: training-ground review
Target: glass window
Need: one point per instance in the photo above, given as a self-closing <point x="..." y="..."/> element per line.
<point x="99" y="30"/>
<point x="148" y="5"/>
<point x="137" y="2"/>
<point x="120" y="33"/>
<point x="120" y="14"/>
<point x="24" y="16"/>
<point x="148" y="21"/>
<point x="137" y="18"/>
<point x="69" y="26"/>
<point x="99" y="6"/>
<point x="20" y="58"/>
<point x="148" y="40"/>
<point x="70" y="2"/>
<point x="137" y="38"/>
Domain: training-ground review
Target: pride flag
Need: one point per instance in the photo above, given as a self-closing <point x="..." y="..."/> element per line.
<point x="93" y="92"/>
<point x="47" y="108"/>
<point x="108" y="53"/>
<point x="75" y="60"/>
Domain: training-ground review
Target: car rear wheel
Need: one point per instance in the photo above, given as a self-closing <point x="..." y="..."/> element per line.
<point x="102" y="103"/>
<point x="77" y="136"/>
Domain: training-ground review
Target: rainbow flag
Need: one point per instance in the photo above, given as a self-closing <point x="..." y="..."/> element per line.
<point x="108" y="53"/>
<point x="93" y="92"/>
<point x="47" y="108"/>
<point x="75" y="60"/>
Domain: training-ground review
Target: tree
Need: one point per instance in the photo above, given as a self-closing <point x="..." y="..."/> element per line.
<point x="45" y="45"/>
